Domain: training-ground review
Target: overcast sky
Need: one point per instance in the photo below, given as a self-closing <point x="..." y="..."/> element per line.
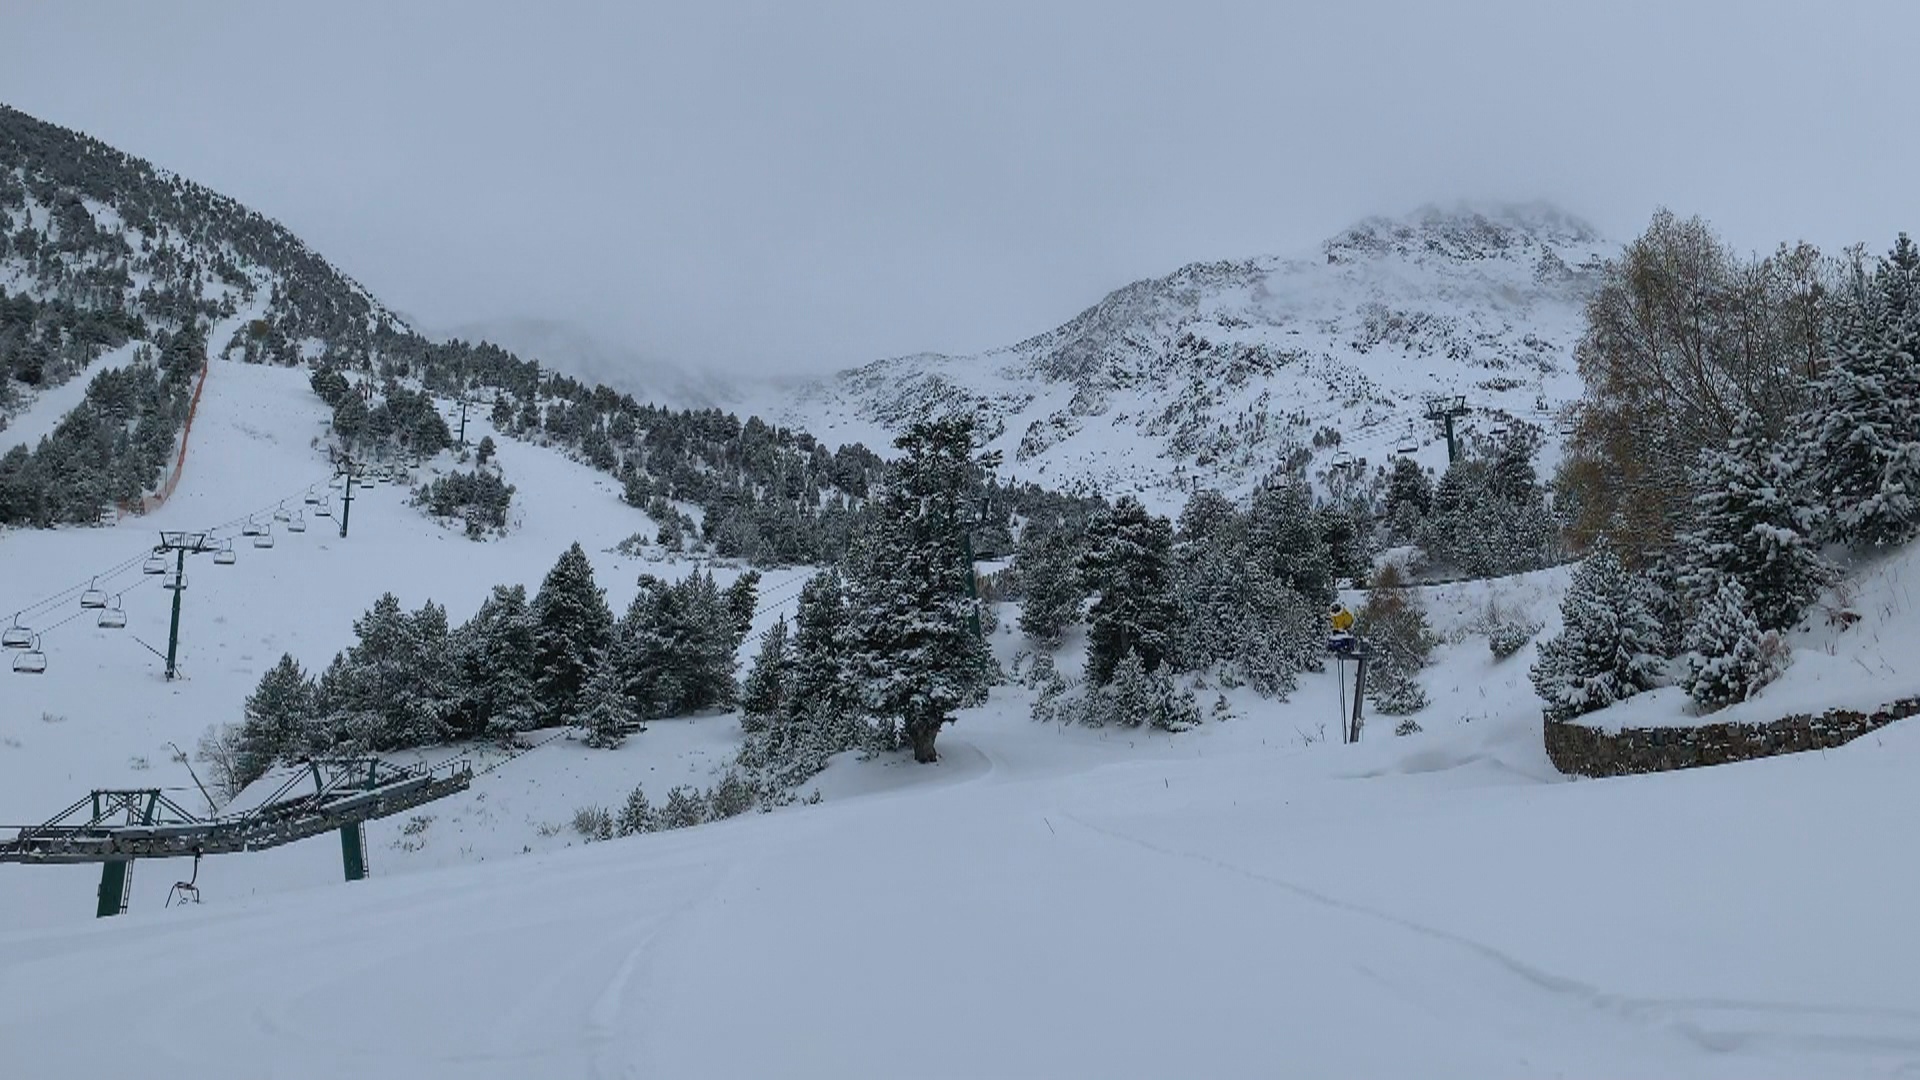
<point x="793" y="186"/>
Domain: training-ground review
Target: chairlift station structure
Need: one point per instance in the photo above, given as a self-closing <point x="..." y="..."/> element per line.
<point x="115" y="827"/>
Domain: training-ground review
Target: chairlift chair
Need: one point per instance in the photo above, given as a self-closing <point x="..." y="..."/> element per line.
<point x="1342" y="460"/>
<point x="252" y="528"/>
<point x="298" y="524"/>
<point x="155" y="564"/>
<point x="93" y="598"/>
<point x="312" y="497"/>
<point x="280" y="513"/>
<point x="323" y="510"/>
<point x="113" y="616"/>
<point x="16" y="636"/>
<point x="31" y="660"/>
<point x="367" y="481"/>
<point x="174" y="582"/>
<point x="263" y="539"/>
<point x="226" y="556"/>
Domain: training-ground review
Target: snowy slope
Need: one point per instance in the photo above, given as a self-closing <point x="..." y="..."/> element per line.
<point x="36" y="418"/>
<point x="1218" y="372"/>
<point x="102" y="716"/>
<point x="1266" y="914"/>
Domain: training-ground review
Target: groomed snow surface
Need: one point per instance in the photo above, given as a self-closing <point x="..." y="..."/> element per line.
<point x="1243" y="900"/>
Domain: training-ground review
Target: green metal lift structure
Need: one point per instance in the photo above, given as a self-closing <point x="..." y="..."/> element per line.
<point x="114" y="827"/>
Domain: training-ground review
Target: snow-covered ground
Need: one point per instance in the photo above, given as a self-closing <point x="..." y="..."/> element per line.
<point x="1246" y="899"/>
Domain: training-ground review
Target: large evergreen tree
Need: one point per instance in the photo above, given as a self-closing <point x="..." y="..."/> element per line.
<point x="1609" y="645"/>
<point x="1865" y="456"/>
<point x="769" y="683"/>
<point x="1127" y="564"/>
<point x="493" y="659"/>
<point x="572" y="630"/>
<point x="912" y="618"/>
<point x="1752" y="527"/>
<point x="1052" y="591"/>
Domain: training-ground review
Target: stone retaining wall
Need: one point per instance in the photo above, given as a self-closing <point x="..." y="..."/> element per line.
<point x="1586" y="751"/>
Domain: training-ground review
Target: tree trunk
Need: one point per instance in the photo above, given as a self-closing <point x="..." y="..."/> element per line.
<point x="922" y="732"/>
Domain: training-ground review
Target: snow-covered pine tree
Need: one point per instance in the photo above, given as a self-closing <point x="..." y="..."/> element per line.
<point x="1608" y="648"/>
<point x="1210" y="582"/>
<point x="493" y="659"/>
<point x="637" y="814"/>
<point x="1127" y="563"/>
<point x="278" y="714"/>
<point x="604" y="710"/>
<point x="915" y="648"/>
<point x="1130" y="698"/>
<point x="1409" y="500"/>
<point x="1865" y="445"/>
<point x="686" y="806"/>
<point x="1393" y="623"/>
<point x="765" y="694"/>
<point x="572" y="629"/>
<point x="1751" y="526"/>
<point x="1729" y="655"/>
<point x="393" y="688"/>
<point x="1053" y="594"/>
<point x="824" y="686"/>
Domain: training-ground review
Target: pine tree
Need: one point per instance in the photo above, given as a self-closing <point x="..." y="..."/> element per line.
<point x="1127" y="563"/>
<point x="685" y="807"/>
<point x="572" y="631"/>
<point x="1048" y="568"/>
<point x="493" y="659"/>
<point x="1729" y="655"/>
<point x="1608" y="648"/>
<point x="604" y="709"/>
<point x="278" y="714"/>
<point x="824" y="682"/>
<point x="911" y="628"/>
<point x="1751" y="527"/>
<point x="765" y="695"/>
<point x="637" y="814"/>
<point x="1865" y="455"/>
<point x="393" y="688"/>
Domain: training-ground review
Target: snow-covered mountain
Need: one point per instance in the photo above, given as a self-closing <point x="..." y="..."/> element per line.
<point x="1219" y="371"/>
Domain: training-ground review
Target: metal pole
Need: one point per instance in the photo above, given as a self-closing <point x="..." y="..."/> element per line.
<point x="173" y="632"/>
<point x="113" y="888"/>
<point x="353" y="851"/>
<point x="1359" y="695"/>
<point x="346" y="500"/>
<point x="463" y="422"/>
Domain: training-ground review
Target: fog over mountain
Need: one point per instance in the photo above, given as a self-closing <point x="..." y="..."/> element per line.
<point x="767" y="186"/>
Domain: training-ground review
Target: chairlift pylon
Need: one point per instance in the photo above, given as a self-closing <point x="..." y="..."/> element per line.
<point x="113" y="616"/>
<point x="31" y="660"/>
<point x="94" y="597"/>
<point x="16" y="636"/>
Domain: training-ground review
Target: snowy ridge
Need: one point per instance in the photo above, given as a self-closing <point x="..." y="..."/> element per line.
<point x="1218" y="372"/>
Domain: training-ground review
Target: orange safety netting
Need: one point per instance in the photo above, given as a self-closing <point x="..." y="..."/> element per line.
<point x="149" y="503"/>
